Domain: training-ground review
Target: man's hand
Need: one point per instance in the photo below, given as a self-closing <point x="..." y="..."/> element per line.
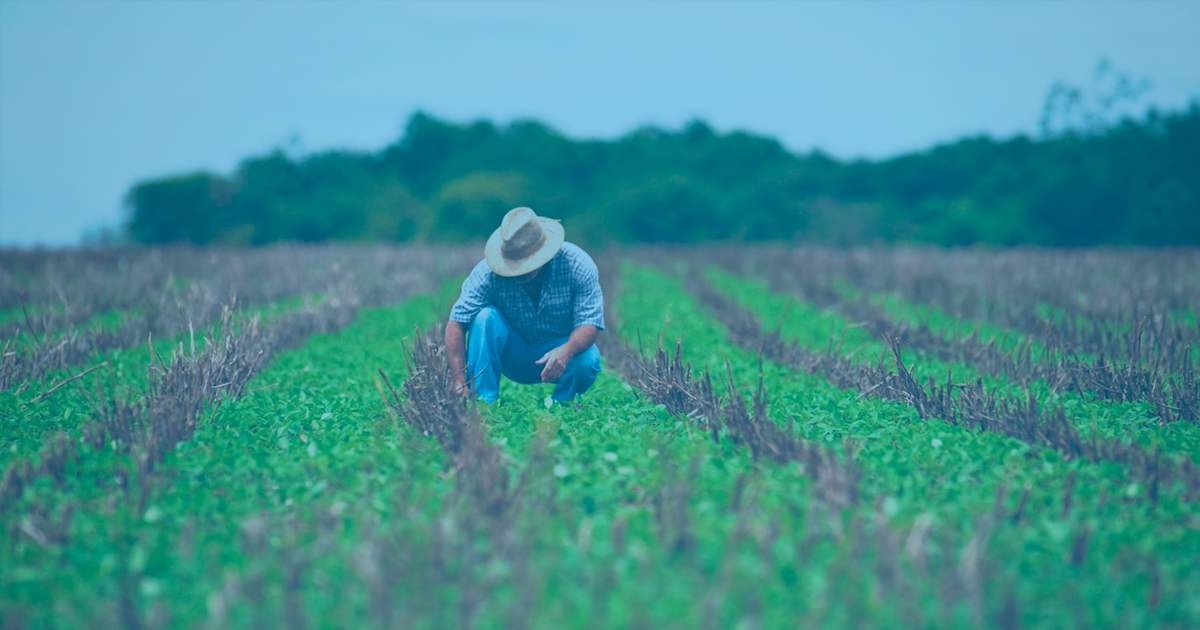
<point x="461" y="388"/>
<point x="556" y="363"/>
<point x="556" y="360"/>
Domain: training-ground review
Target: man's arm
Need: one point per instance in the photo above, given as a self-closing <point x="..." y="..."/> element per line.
<point x="456" y="355"/>
<point x="556" y="360"/>
<point x="475" y="294"/>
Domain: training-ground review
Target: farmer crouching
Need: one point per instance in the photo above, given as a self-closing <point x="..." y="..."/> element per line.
<point x="533" y="307"/>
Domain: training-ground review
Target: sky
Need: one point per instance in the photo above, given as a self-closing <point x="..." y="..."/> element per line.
<point x="95" y="95"/>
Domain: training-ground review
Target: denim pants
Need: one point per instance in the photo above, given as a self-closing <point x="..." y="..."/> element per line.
<point x="494" y="348"/>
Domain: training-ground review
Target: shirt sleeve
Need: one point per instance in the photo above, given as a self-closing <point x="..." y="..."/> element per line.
<point x="476" y="294"/>
<point x="589" y="298"/>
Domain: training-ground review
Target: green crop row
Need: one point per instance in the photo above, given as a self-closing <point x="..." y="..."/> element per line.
<point x="319" y="442"/>
<point x="127" y="372"/>
<point x="314" y="436"/>
<point x="810" y="327"/>
<point x="953" y="474"/>
<point x="1132" y="421"/>
<point x="107" y="319"/>
<point x="1056" y="314"/>
<point x="308" y="502"/>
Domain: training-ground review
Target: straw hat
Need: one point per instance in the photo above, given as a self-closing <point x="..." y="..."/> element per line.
<point x="523" y="243"/>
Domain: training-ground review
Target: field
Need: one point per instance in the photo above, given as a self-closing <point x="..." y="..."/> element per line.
<point x="781" y="437"/>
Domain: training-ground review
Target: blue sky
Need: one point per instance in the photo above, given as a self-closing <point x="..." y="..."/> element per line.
<point x="97" y="95"/>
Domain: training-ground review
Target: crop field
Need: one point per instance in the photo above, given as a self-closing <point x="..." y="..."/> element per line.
<point x="780" y="437"/>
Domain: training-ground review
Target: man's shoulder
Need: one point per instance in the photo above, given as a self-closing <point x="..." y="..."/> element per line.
<point x="575" y="255"/>
<point x="577" y="266"/>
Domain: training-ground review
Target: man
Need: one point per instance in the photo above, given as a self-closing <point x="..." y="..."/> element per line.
<point x="533" y="307"/>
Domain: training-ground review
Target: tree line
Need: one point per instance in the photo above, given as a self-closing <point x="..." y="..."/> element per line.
<point x="1132" y="182"/>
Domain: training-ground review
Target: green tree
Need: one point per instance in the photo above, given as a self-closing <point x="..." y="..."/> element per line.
<point x="1126" y="182"/>
<point x="472" y="206"/>
<point x="184" y="208"/>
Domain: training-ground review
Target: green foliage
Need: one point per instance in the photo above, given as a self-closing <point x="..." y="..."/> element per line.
<point x="289" y="502"/>
<point x="184" y="208"/>
<point x="1133" y="420"/>
<point x="953" y="474"/>
<point x="1130" y="183"/>
<point x="471" y="206"/>
<point x="70" y="407"/>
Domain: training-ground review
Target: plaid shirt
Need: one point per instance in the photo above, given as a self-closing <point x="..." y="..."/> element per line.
<point x="570" y="298"/>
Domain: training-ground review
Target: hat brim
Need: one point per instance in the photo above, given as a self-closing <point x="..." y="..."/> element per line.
<point x="508" y="268"/>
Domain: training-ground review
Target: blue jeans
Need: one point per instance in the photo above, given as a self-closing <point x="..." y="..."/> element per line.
<point x="493" y="347"/>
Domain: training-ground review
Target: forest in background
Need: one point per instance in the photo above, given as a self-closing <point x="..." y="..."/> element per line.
<point x="1129" y="182"/>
